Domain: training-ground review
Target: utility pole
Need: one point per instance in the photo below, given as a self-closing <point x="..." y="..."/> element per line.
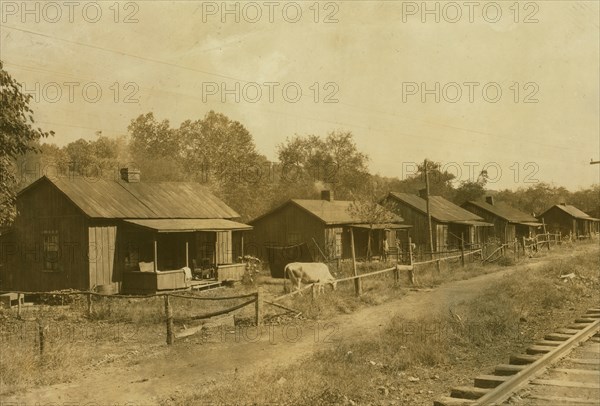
<point x="428" y="209"/>
<point x="592" y="162"/>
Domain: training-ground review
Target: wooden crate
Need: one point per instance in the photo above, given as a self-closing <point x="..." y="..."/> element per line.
<point x="8" y="298"/>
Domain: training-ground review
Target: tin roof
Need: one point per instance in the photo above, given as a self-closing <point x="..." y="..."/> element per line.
<point x="188" y="225"/>
<point x="441" y="209"/>
<point x="506" y="212"/>
<point x="383" y="226"/>
<point x="100" y="198"/>
<point x="329" y="212"/>
<point x="571" y="211"/>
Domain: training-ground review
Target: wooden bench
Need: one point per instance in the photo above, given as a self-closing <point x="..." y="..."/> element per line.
<point x="8" y="298"/>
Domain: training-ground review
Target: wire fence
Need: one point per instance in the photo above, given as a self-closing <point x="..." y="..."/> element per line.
<point x="93" y="299"/>
<point x="529" y="246"/>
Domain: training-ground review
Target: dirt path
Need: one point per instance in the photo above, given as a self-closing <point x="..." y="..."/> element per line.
<point x="192" y="363"/>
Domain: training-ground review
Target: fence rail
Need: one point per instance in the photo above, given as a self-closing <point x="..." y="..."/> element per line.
<point x="256" y="298"/>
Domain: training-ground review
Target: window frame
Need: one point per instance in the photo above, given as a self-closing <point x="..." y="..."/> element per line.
<point x="50" y="239"/>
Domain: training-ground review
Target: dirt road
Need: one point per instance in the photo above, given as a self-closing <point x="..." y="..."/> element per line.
<point x="162" y="371"/>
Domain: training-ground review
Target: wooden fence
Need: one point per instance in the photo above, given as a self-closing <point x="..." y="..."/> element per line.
<point x="410" y="267"/>
<point x="256" y="298"/>
<point x="533" y="244"/>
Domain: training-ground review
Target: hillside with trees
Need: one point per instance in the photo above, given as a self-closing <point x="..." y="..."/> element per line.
<point x="221" y="154"/>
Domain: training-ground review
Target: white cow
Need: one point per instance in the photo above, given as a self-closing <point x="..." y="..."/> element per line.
<point x="309" y="272"/>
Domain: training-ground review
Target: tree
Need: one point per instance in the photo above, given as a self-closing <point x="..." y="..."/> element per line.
<point x="440" y="182"/>
<point x="17" y="135"/>
<point x="221" y="153"/>
<point x="536" y="198"/>
<point x="587" y="200"/>
<point x="333" y="162"/>
<point x="155" y="148"/>
<point x="215" y="151"/>
<point x="471" y="190"/>
<point x="366" y="210"/>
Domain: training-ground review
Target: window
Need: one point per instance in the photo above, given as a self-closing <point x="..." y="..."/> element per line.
<point x="50" y="250"/>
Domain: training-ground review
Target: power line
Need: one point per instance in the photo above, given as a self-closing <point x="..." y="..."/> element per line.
<point x="143" y="58"/>
<point x="286" y="114"/>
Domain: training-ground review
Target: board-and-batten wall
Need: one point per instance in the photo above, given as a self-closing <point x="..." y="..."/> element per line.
<point x="224" y="248"/>
<point x="289" y="225"/>
<point x="502" y="229"/>
<point x="44" y="209"/>
<point x="557" y="220"/>
<point x="102" y="248"/>
<point x="420" y="228"/>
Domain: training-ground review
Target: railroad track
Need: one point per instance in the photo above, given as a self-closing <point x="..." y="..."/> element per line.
<point x="561" y="369"/>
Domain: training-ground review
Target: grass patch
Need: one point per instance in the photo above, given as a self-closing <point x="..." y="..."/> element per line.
<point x="509" y="314"/>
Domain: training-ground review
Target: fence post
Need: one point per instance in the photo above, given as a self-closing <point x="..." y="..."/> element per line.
<point x="41" y="335"/>
<point x="259" y="306"/>
<point x="18" y="305"/>
<point x="412" y="266"/>
<point x="357" y="281"/>
<point x="559" y="238"/>
<point x="313" y="292"/>
<point x="89" y="304"/>
<point x="548" y="239"/>
<point x="462" y="249"/>
<point x="169" y="320"/>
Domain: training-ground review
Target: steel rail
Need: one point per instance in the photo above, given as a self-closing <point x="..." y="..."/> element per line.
<point x="502" y="392"/>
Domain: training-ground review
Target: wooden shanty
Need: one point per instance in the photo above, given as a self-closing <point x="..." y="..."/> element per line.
<point x="569" y="220"/>
<point x="449" y="222"/>
<point x="324" y="226"/>
<point x="510" y="224"/>
<point x="79" y="233"/>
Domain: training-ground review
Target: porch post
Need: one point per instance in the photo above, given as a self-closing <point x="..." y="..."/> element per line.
<point x="187" y="253"/>
<point x="242" y="240"/>
<point x="155" y="253"/>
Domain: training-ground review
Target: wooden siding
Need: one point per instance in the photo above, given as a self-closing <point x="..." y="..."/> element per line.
<point x="291" y="225"/>
<point x="501" y="230"/>
<point x="102" y="249"/>
<point x="419" y="232"/>
<point x="224" y="248"/>
<point x="8" y="251"/>
<point x="288" y="226"/>
<point x="441" y="236"/>
<point x="557" y="220"/>
<point x="333" y="242"/>
<point x="42" y="209"/>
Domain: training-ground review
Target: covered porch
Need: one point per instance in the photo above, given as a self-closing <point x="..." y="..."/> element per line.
<point x="169" y="254"/>
<point x="369" y="240"/>
<point x="472" y="232"/>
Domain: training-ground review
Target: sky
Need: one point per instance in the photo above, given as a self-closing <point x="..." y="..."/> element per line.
<point x="511" y="87"/>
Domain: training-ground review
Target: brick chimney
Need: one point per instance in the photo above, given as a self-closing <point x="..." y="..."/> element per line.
<point x="490" y="200"/>
<point x="423" y="193"/>
<point x="130" y="175"/>
<point x="327" y="195"/>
